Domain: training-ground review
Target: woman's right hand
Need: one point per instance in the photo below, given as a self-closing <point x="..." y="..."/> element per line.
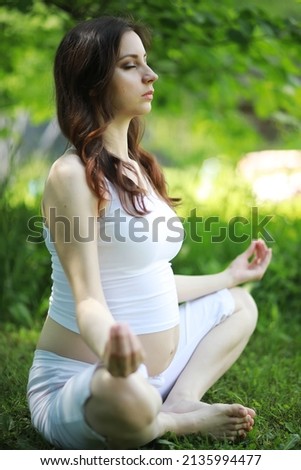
<point x="123" y="352"/>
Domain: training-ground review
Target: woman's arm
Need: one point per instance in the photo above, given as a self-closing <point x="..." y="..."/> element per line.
<point x="249" y="266"/>
<point x="192" y="287"/>
<point x="71" y="212"/>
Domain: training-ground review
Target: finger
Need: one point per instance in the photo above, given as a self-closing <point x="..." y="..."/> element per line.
<point x="260" y="266"/>
<point x="119" y="335"/>
<point x="126" y="352"/>
<point x="116" y="351"/>
<point x="251" y="249"/>
<point x="256" y="257"/>
<point x="260" y="253"/>
<point x="263" y="251"/>
<point x="138" y="355"/>
<point x="262" y="243"/>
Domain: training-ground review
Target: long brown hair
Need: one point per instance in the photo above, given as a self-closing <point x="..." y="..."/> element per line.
<point x="83" y="68"/>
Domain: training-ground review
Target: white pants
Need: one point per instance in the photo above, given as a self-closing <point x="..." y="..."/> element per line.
<point x="58" y="387"/>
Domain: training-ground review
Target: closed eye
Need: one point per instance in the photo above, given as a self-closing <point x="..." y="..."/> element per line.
<point x="129" y="66"/>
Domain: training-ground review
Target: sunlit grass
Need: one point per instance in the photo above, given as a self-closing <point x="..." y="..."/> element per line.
<point x="266" y="377"/>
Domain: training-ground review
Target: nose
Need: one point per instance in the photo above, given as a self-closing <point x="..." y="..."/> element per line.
<point x="150" y="76"/>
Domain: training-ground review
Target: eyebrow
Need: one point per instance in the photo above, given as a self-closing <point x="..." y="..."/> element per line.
<point x="133" y="56"/>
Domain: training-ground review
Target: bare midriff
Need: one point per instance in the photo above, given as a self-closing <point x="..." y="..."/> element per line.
<point x="159" y="347"/>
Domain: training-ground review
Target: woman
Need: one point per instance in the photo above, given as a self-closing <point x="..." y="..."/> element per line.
<point x="118" y="362"/>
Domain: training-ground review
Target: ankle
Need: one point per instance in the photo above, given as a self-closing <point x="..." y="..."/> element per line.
<point x="175" y="399"/>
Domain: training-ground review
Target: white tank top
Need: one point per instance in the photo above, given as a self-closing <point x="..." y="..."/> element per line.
<point x="134" y="258"/>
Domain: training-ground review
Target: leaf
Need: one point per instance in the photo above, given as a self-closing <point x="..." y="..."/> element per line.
<point x="167" y="443"/>
<point x="21" y="314"/>
<point x="292" y="442"/>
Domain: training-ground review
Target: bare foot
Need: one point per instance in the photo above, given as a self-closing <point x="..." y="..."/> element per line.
<point x="184" y="406"/>
<point x="218" y="421"/>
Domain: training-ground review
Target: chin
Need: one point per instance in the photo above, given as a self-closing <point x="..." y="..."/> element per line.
<point x="147" y="109"/>
<point x="142" y="111"/>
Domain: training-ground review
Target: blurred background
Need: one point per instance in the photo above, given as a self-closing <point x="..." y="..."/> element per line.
<point x="225" y="125"/>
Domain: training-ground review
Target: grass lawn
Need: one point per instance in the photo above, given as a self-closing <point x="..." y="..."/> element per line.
<point x="266" y="377"/>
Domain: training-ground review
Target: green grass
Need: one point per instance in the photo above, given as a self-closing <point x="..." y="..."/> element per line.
<point x="16" y="350"/>
<point x="267" y="377"/>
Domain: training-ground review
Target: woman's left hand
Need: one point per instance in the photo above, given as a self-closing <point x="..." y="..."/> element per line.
<point x="251" y="264"/>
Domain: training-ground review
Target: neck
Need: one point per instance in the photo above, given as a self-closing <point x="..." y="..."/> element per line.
<point x="116" y="140"/>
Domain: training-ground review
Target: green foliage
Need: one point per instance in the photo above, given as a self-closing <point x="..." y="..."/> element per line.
<point x="229" y="83"/>
<point x="16" y="350"/>
<point x="27" y="44"/>
<point x="232" y="64"/>
<point x="24" y="266"/>
<point x="279" y="291"/>
<point x="266" y="377"/>
<point x="211" y="243"/>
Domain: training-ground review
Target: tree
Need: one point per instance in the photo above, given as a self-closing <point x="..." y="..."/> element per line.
<point x="223" y="62"/>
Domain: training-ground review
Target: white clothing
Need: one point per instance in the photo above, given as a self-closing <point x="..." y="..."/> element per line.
<point x="59" y="387"/>
<point x="134" y="258"/>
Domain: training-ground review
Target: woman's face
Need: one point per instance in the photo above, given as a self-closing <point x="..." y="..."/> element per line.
<point x="132" y="83"/>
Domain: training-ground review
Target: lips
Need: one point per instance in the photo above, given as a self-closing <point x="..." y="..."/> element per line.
<point x="148" y="94"/>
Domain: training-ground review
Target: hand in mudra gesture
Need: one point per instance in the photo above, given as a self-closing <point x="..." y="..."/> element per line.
<point x="250" y="265"/>
<point x="123" y="352"/>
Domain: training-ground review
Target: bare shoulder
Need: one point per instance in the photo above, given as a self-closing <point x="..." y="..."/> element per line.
<point x="66" y="187"/>
<point x="66" y="184"/>
<point x="67" y="169"/>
